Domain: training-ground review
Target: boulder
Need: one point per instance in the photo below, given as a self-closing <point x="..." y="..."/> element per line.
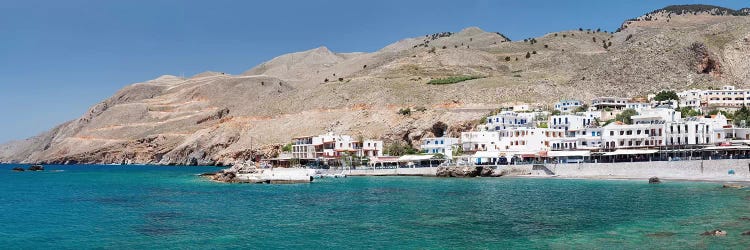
<point x="224" y="176"/>
<point x="746" y="233"/>
<point x="18" y="169"/>
<point x="36" y="168"/>
<point x="715" y="232"/>
<point x="467" y="171"/>
<point x="654" y="180"/>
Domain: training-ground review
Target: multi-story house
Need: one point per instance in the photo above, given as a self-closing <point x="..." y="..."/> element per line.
<point x="727" y="97"/>
<point x="567" y="106"/>
<point x="569" y="122"/>
<point x="618" y="135"/>
<point x="509" y="119"/>
<point x="439" y="145"/>
<point x="604" y="103"/>
<point x="333" y="146"/>
<point x="480" y="141"/>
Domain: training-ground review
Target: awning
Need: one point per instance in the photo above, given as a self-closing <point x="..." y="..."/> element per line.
<point x="568" y="153"/>
<point x="406" y="158"/>
<point x="383" y="159"/>
<point x="486" y="154"/>
<point x="633" y="152"/>
<point x="727" y="148"/>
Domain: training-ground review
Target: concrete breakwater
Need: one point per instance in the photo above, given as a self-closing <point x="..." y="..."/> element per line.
<point x="242" y="173"/>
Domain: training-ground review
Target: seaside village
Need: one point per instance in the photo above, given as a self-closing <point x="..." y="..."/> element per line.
<point x="667" y="126"/>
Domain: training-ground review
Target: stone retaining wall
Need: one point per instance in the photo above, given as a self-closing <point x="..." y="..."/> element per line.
<point x="664" y="169"/>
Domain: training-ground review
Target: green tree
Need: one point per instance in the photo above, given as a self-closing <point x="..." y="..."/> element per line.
<point x="626" y="116"/>
<point x="666" y="95"/>
<point x="743" y="114"/>
<point x="439" y="129"/>
<point x="555" y="112"/>
<point x="287" y="148"/>
<point x="582" y="108"/>
<point x="406" y="111"/>
<point x="397" y="148"/>
<point x="724" y="113"/>
<point x="458" y="150"/>
<point x="689" y="112"/>
<point x="528" y="55"/>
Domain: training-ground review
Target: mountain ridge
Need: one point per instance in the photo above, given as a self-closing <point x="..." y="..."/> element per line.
<point x="214" y="118"/>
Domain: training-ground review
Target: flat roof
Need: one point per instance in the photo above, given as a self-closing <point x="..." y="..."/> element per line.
<point x="632" y="152"/>
<point x="568" y="153"/>
<point x="415" y="158"/>
<point x="726" y="147"/>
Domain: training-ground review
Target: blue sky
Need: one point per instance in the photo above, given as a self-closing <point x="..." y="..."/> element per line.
<point x="58" y="58"/>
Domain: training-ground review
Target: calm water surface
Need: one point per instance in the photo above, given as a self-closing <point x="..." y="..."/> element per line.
<point x="169" y="207"/>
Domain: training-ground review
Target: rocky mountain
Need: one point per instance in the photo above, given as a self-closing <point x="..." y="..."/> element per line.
<point x="217" y="118"/>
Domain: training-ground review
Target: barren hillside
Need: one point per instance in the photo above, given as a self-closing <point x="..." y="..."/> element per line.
<point x="216" y="118"/>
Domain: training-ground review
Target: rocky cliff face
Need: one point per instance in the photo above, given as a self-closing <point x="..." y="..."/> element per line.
<point x="215" y="118"/>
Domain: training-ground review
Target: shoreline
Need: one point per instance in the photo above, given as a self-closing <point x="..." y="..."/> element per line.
<point x="714" y="171"/>
<point x="634" y="178"/>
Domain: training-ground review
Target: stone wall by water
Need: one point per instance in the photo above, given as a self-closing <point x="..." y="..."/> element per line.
<point x="695" y="169"/>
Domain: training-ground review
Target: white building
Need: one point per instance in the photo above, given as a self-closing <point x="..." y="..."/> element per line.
<point x="569" y="122"/>
<point x="439" y="145"/>
<point x="509" y="119"/>
<point x="333" y="146"/>
<point x="727" y="97"/>
<point x="696" y="130"/>
<point x="603" y="103"/>
<point x="618" y="135"/>
<point x="567" y="106"/>
<point x="521" y="108"/>
<point x="480" y="141"/>
<point x="637" y="105"/>
<point x="656" y="115"/>
<point x="691" y="98"/>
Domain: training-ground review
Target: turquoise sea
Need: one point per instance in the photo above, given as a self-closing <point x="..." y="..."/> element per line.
<point x="130" y="207"/>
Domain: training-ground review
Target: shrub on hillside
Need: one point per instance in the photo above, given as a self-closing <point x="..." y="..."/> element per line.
<point x="451" y="80"/>
<point x="406" y="111"/>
